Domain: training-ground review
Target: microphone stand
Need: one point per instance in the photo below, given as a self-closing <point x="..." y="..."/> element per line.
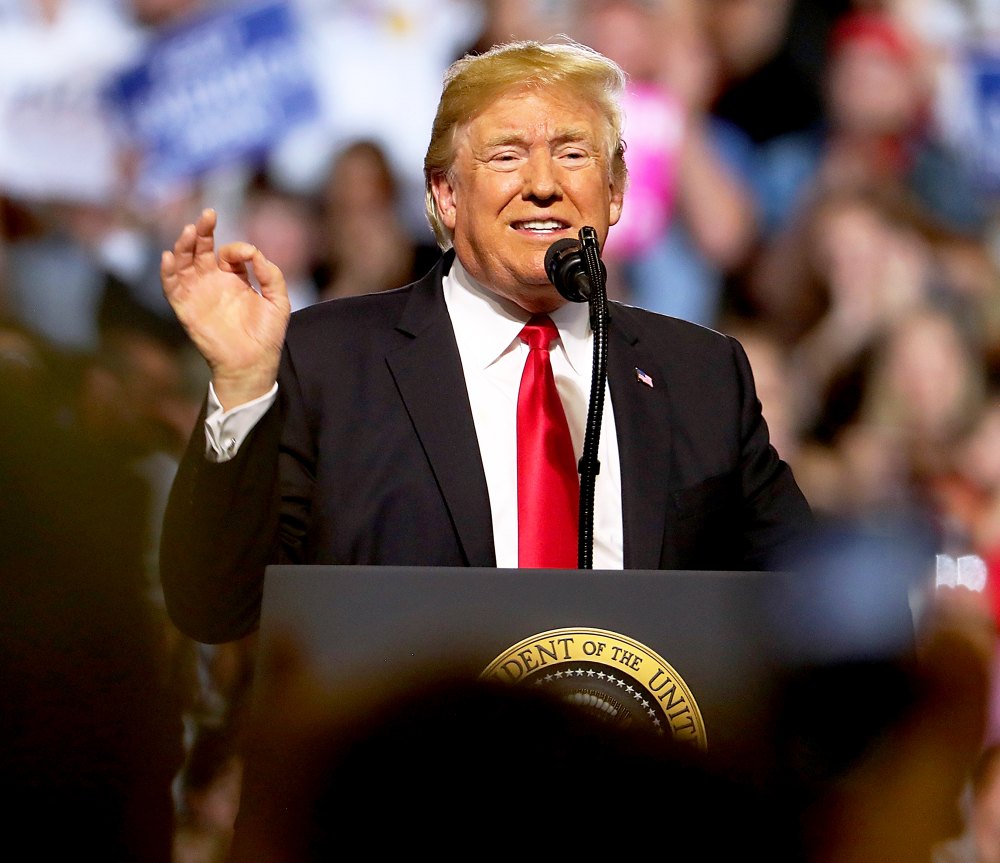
<point x="589" y="465"/>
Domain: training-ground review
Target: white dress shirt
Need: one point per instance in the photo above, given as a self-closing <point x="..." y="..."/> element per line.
<point x="487" y="329"/>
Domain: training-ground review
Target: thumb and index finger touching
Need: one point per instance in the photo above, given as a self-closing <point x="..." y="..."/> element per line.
<point x="194" y="254"/>
<point x="234" y="258"/>
<point x="238" y="329"/>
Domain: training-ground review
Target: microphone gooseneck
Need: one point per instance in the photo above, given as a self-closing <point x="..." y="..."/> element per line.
<point x="578" y="273"/>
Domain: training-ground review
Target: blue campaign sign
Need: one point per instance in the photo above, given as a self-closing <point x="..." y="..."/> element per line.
<point x="984" y="77"/>
<point x="218" y="88"/>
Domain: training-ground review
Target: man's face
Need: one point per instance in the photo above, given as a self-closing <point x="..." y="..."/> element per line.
<point x="529" y="170"/>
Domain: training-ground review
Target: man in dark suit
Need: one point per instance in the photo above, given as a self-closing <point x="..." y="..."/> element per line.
<point x="384" y="429"/>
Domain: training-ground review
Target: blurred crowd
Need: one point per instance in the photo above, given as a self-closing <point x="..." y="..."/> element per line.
<point x="811" y="176"/>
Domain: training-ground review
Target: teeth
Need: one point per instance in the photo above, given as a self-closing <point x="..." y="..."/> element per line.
<point x="542" y="225"/>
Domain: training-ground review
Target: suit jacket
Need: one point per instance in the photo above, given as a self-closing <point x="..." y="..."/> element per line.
<point x="370" y="456"/>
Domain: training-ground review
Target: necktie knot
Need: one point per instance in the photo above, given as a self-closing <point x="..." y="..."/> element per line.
<point x="539" y="333"/>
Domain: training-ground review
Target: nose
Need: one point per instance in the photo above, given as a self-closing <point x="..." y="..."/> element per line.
<point x="540" y="180"/>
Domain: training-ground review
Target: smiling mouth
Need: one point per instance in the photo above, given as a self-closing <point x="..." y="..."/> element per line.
<point x="540" y="226"/>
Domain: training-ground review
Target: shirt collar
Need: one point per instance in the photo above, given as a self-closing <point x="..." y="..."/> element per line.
<point x="487" y="326"/>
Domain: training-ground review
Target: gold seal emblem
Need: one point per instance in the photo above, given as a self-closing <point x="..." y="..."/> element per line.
<point x="608" y="674"/>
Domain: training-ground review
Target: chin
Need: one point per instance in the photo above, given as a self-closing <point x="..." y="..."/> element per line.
<point x="541" y="301"/>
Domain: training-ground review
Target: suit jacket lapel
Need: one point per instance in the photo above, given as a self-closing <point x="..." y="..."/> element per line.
<point x="428" y="372"/>
<point x="642" y="420"/>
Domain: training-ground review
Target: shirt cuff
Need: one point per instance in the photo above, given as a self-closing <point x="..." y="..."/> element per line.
<point x="225" y="430"/>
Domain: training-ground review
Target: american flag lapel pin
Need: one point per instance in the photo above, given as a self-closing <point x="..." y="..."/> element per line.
<point x="642" y="377"/>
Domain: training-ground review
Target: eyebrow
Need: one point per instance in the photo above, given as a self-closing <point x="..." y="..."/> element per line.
<point x="561" y="136"/>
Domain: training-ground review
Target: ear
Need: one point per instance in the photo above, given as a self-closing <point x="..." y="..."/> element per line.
<point x="445" y="198"/>
<point x="615" y="205"/>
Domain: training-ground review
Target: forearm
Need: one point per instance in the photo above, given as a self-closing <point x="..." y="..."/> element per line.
<point x="714" y="203"/>
<point x="219" y="532"/>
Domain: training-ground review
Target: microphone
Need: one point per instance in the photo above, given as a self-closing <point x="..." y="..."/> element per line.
<point x="567" y="271"/>
<point x="576" y="270"/>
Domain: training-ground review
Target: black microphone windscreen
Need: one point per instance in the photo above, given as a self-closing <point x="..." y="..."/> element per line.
<point x="555" y="252"/>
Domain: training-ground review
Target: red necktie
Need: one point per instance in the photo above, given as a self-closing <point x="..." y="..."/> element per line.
<point x="548" y="488"/>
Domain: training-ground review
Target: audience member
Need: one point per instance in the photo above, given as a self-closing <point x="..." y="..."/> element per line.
<point x="771" y="56"/>
<point x="980" y="840"/>
<point x="286" y="223"/>
<point x="875" y="132"/>
<point x="689" y="217"/>
<point x="365" y="243"/>
<point x="91" y="722"/>
<point x="443" y="765"/>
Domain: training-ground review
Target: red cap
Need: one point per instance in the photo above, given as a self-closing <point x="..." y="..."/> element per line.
<point x="874" y="28"/>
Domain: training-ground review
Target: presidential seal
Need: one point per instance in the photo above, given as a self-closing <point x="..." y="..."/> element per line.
<point x="607" y="674"/>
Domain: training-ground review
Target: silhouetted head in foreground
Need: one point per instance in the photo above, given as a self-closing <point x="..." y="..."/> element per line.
<point x="471" y="767"/>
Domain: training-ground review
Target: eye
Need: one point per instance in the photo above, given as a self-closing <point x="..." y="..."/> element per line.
<point x="505" y="160"/>
<point x="574" y="156"/>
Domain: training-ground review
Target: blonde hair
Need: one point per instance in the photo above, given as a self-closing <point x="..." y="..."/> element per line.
<point x="474" y="82"/>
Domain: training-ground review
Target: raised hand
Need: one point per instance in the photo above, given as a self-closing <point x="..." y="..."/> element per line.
<point x="238" y="331"/>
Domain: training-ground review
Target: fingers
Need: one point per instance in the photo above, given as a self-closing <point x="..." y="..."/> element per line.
<point x="183" y="254"/>
<point x="233" y="257"/>
<point x="195" y="246"/>
<point x="204" y="238"/>
<point x="168" y="272"/>
<point x="194" y="254"/>
<point x="270" y="278"/>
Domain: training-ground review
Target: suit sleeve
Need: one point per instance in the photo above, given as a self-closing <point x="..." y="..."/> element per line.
<point x="775" y="513"/>
<point x="225" y="522"/>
